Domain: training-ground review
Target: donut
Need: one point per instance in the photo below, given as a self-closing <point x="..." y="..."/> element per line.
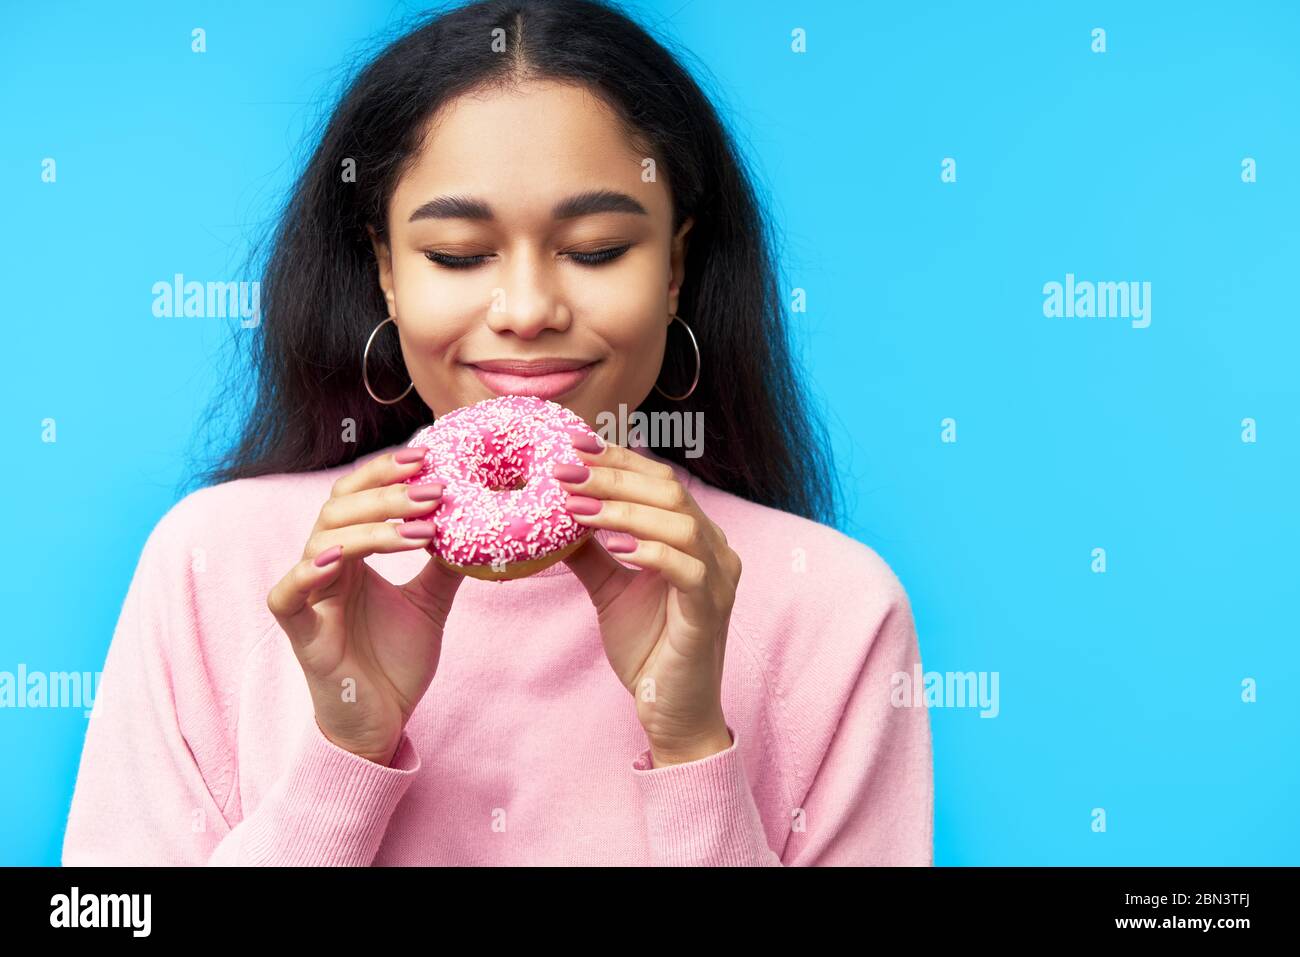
<point x="502" y="515"/>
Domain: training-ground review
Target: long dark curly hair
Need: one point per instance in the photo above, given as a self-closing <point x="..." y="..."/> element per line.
<point x="299" y="382"/>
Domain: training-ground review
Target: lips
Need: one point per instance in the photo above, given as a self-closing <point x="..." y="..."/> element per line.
<point x="543" y="378"/>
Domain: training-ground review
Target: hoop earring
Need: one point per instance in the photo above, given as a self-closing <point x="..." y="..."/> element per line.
<point x="366" y="378"/>
<point x="694" y="382"/>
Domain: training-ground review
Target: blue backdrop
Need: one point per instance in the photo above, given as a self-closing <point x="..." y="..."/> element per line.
<point x="1099" y="512"/>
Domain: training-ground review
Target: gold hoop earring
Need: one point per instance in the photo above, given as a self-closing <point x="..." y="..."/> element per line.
<point x="694" y="382"/>
<point x="365" y="378"/>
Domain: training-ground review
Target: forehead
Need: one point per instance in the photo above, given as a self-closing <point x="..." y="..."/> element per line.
<point x="521" y="149"/>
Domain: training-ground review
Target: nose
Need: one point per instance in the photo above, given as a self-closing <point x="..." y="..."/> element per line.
<point x="528" y="305"/>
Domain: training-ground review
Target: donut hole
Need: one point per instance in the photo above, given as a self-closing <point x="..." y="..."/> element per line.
<point x="498" y="460"/>
<point x="504" y="478"/>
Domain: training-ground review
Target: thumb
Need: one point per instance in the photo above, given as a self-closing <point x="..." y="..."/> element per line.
<point x="434" y="587"/>
<point x="599" y="571"/>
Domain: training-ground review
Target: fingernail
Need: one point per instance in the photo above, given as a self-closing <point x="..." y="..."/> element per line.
<point x="407" y="456"/>
<point x="582" y="504"/>
<point x="566" y="472"/>
<point x="329" y="556"/>
<point x="416" y="530"/>
<point x="587" y="441"/>
<point x="620" y="542"/>
<point x="424" y="492"/>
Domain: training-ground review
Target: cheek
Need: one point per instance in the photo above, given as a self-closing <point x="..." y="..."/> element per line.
<point x="432" y="318"/>
<point x="419" y="294"/>
<point x="631" y="314"/>
<point x="636" y="336"/>
<point x="637" y="343"/>
<point x="631" y="318"/>
<point x="631" y="293"/>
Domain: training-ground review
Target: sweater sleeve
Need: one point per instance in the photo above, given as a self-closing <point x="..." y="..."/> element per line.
<point x="330" y="808"/>
<point x="871" y="797"/>
<point x="157" y="766"/>
<point x="871" y="801"/>
<point x="702" y="813"/>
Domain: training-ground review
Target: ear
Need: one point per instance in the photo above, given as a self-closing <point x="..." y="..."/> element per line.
<point x="677" y="270"/>
<point x="385" y="261"/>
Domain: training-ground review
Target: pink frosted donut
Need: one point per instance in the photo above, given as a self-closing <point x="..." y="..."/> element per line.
<point x="502" y="513"/>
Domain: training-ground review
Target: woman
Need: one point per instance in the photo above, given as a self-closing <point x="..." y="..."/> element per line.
<point x="515" y="197"/>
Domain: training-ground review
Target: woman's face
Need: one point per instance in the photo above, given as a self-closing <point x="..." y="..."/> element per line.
<point x="485" y="265"/>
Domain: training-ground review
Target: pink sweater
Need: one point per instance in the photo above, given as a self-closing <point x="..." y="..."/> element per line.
<point x="202" y="747"/>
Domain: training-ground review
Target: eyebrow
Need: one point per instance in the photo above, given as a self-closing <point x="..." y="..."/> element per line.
<point x="580" y="204"/>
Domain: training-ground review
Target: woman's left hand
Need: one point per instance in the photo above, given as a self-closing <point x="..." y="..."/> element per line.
<point x="664" y="626"/>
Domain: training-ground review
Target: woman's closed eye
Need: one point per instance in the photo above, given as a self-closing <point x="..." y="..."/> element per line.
<point x="596" y="258"/>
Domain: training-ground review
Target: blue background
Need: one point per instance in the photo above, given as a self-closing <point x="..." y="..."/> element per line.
<point x="1119" y="690"/>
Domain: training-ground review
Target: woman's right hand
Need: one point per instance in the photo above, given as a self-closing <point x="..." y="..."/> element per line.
<point x="368" y="648"/>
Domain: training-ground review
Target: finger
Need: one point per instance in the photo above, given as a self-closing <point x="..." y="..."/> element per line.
<point x="434" y="588"/>
<point x="372" y="538"/>
<point x="289" y="599"/>
<point x="615" y="483"/>
<point x="680" y="530"/>
<point x="616" y="456"/>
<point x="600" y="573"/>
<point x="380" y="504"/>
<point x="381" y="470"/>
<point x="684" y="572"/>
<point x="624" y="485"/>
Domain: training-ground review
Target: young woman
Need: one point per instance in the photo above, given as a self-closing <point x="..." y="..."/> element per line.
<point x="536" y="198"/>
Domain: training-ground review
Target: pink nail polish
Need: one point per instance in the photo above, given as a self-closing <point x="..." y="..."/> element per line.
<point x="426" y="492"/>
<point x="620" y="542"/>
<point x="587" y="441"/>
<point x="329" y="556"/>
<point x="570" y="473"/>
<point x="408" y="456"/>
<point x="582" y="504"/>
<point x="416" y="530"/>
